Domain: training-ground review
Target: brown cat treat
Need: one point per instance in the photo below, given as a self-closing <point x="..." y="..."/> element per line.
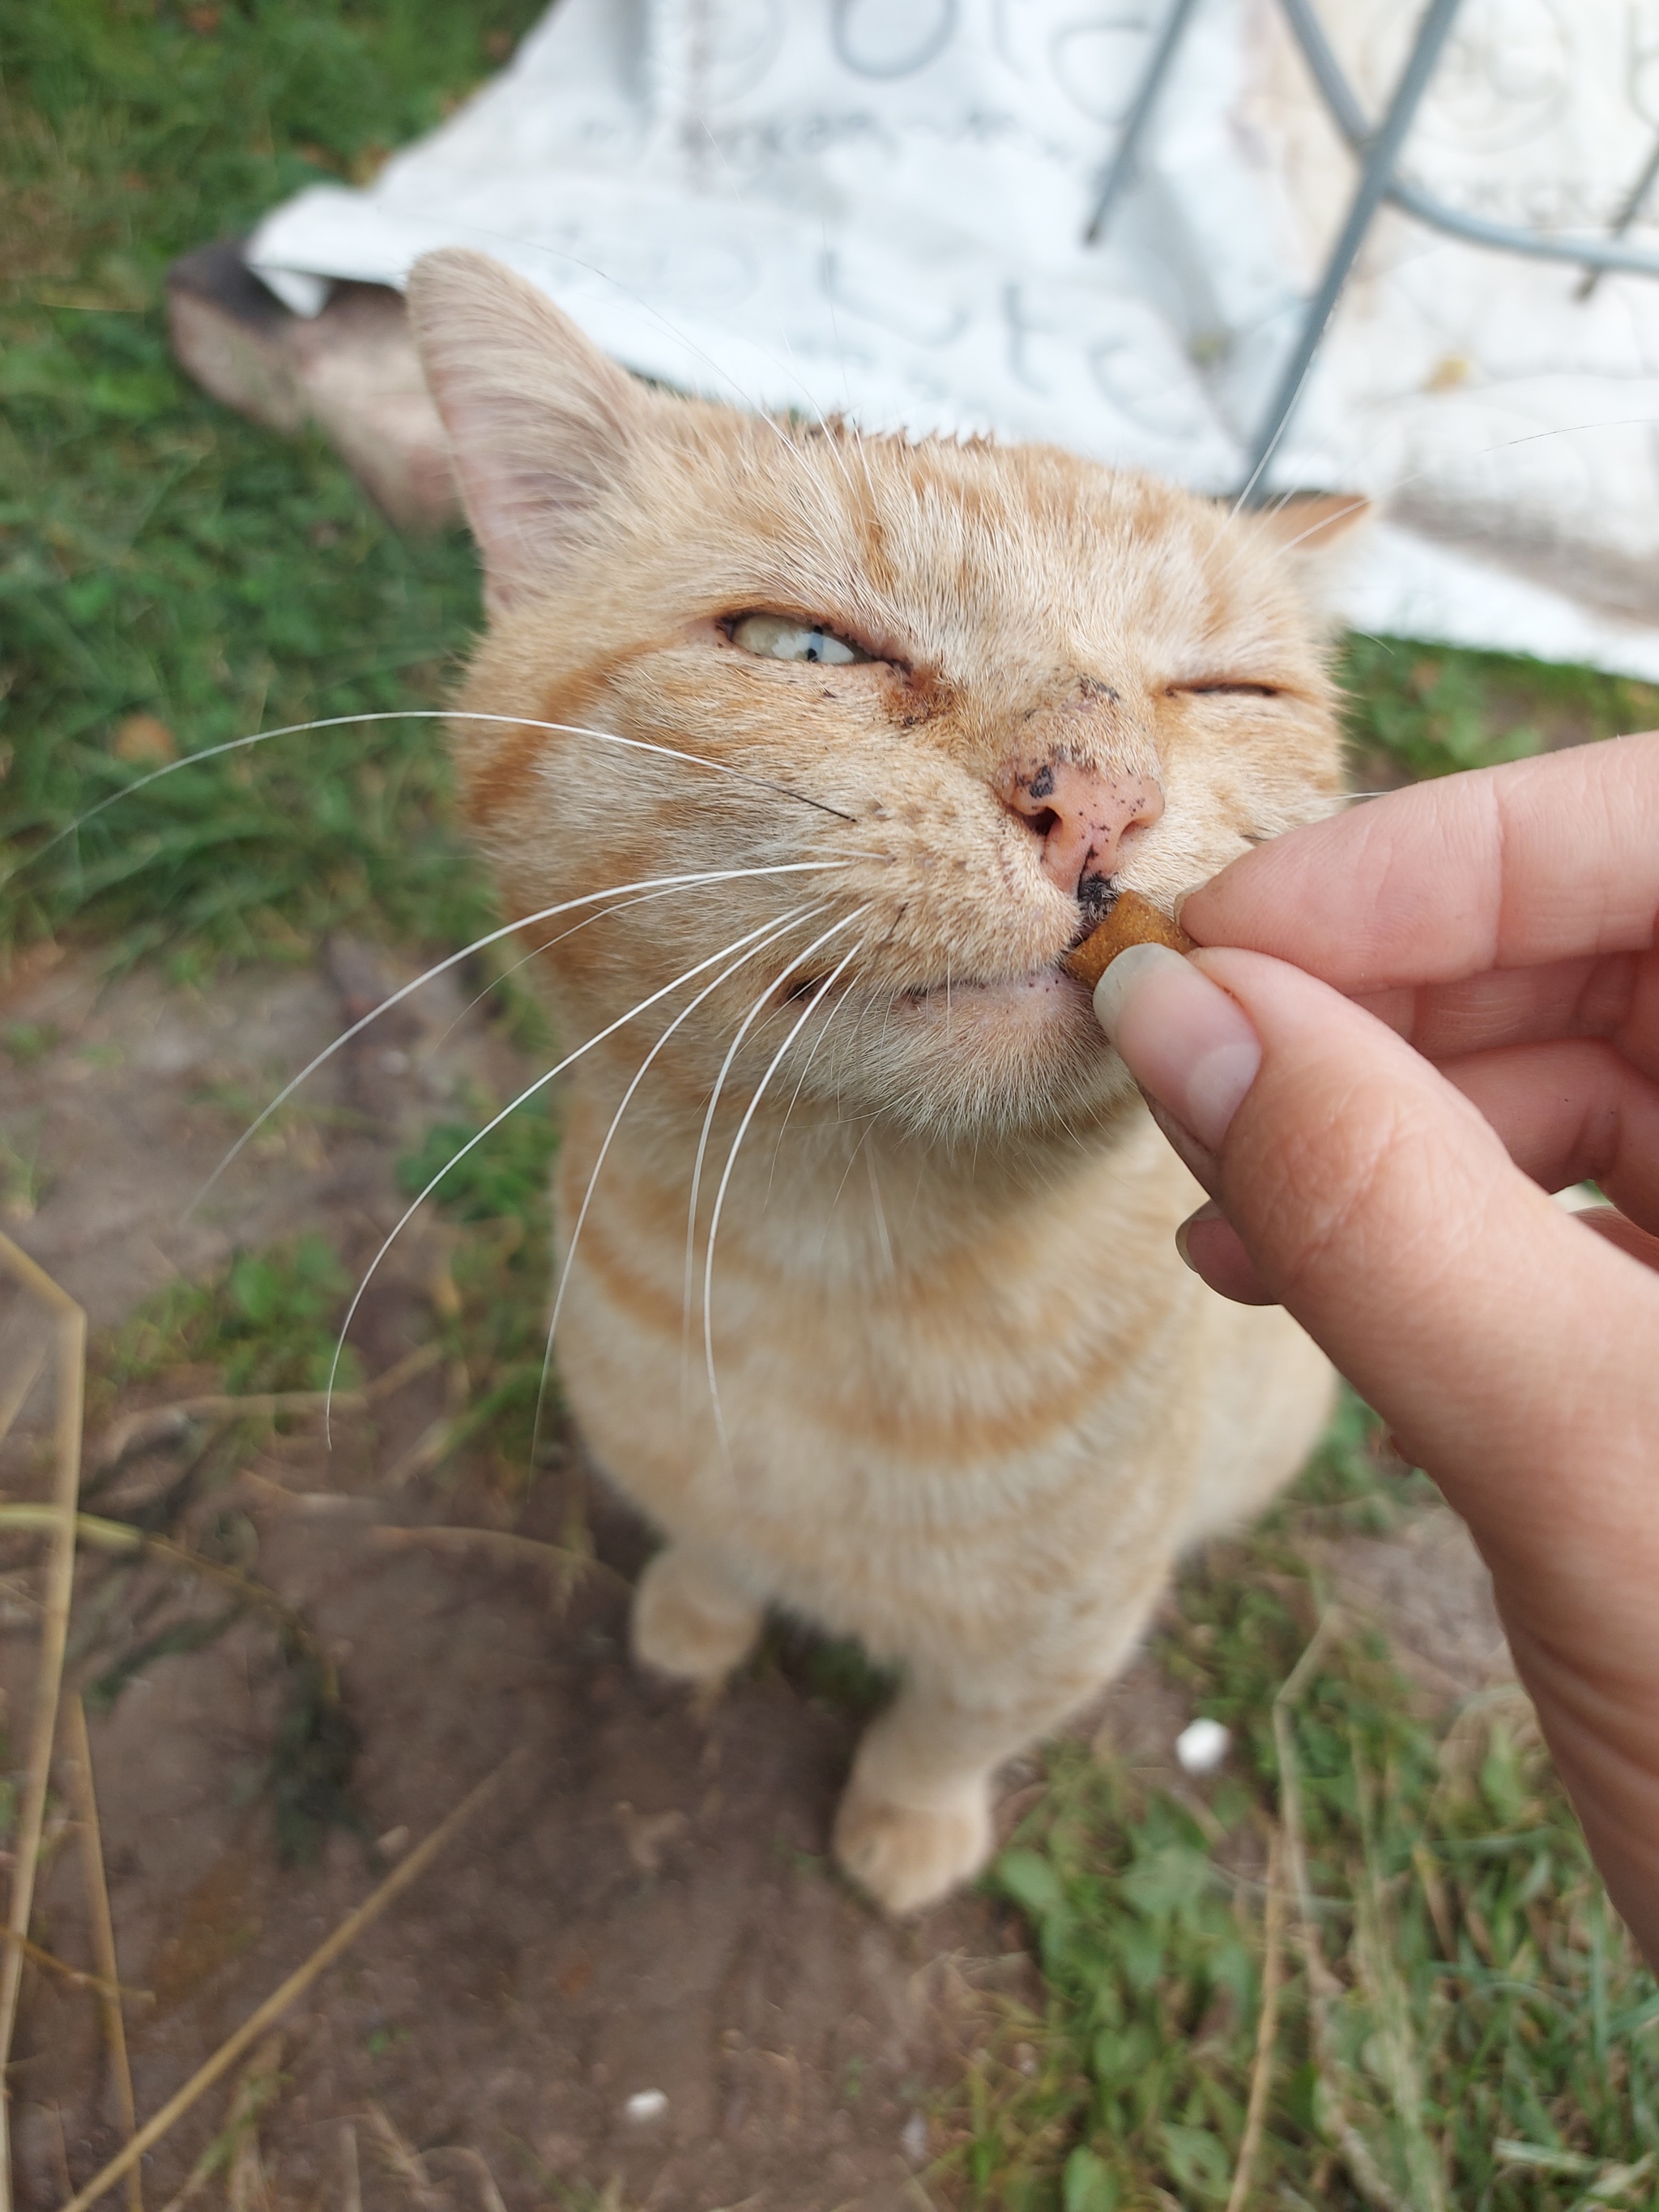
<point x="867" y="1288"/>
<point x="1131" y="919"/>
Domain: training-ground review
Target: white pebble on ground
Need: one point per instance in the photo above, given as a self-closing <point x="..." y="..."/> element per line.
<point x="1201" y="1747"/>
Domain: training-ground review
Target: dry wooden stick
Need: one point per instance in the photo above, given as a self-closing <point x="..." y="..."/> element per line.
<point x="122" y="1536"/>
<point x="21" y="1382"/>
<point x="525" y="1550"/>
<point x="103" y="1926"/>
<point x="78" y="1975"/>
<point x="294" y="1988"/>
<point x="259" y="2082"/>
<point x="70" y="1330"/>
<point x="155" y="1422"/>
<point x="1266" y="2026"/>
<point x="1322" y="1985"/>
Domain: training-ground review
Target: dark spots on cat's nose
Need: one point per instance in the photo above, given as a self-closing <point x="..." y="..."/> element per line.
<point x="1082" y="818"/>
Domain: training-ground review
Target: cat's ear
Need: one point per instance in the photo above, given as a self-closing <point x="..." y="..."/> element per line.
<point x="1308" y="522"/>
<point x="541" y="423"/>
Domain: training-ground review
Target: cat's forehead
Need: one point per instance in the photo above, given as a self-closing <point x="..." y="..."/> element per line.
<point x="973" y="548"/>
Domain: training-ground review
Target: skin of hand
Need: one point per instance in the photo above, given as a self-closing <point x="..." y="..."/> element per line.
<point x="1404" y="1027"/>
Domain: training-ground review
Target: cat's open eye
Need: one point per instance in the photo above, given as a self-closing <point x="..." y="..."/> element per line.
<point x="777" y="637"/>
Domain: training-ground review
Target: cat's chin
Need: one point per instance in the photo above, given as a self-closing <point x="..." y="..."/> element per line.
<point x="1041" y="996"/>
<point x="986" y="1059"/>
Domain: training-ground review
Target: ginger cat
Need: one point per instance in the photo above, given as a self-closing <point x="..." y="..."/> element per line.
<point x="905" y="716"/>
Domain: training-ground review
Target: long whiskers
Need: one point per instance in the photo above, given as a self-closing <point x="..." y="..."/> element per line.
<point x="767" y="934"/>
<point x="546" y="945"/>
<point x="800" y="1081"/>
<point x="744" y="1027"/>
<point x="529" y="1091"/>
<point x="809" y="1009"/>
<point x="479" y="945"/>
<point x="422" y="714"/>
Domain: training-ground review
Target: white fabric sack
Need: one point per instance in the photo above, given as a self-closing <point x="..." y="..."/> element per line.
<point x="878" y="207"/>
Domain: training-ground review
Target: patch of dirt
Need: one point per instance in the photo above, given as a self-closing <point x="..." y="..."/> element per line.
<point x="634" y="1971"/>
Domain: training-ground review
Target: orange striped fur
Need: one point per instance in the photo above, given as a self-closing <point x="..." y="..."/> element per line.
<point x="964" y="1402"/>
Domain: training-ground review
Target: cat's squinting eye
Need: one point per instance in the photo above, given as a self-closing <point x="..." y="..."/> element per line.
<point x="1224" y="690"/>
<point x="776" y="637"/>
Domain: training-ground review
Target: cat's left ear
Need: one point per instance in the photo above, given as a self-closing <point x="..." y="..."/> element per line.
<point x="542" y="424"/>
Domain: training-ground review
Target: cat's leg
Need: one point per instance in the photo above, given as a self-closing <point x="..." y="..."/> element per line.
<point x="692" y="1619"/>
<point x="914" y="1820"/>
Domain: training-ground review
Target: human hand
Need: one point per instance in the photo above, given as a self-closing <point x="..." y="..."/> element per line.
<point x="1472" y="1020"/>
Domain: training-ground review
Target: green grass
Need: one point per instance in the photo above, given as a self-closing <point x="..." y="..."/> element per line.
<point x="1486" y="2033"/>
<point x="268" y="1323"/>
<point x="159" y="556"/>
<point x="1485" y="2036"/>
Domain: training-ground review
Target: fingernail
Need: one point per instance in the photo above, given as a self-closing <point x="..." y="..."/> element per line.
<point x="1185" y="1042"/>
<point x="1208" y="1212"/>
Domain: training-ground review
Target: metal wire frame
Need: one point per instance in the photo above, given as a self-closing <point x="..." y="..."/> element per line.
<point x="1378" y="146"/>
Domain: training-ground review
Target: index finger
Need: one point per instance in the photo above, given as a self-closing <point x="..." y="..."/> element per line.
<point x="1541" y="861"/>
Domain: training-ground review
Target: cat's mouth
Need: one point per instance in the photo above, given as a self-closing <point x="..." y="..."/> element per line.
<point x="1050" y="978"/>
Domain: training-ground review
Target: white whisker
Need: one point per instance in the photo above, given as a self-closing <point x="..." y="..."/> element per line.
<point x="622" y="906"/>
<point x="473" y="1142"/>
<point x="880" y="1211"/>
<point x="811" y="1007"/>
<point x="743" y="1027"/>
<point x="479" y="945"/>
<point x="421" y="715"/>
<point x="852" y="1162"/>
<point x="795" y="1094"/>
<point x="769" y="933"/>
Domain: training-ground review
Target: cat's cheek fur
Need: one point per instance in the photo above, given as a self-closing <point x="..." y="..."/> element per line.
<point x="941" y="1383"/>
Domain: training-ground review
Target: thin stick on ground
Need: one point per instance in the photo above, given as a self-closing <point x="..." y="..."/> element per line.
<point x="156" y="1423"/>
<point x="103" y="1926"/>
<point x="70" y="1329"/>
<point x="1322" y="1985"/>
<point x="83" y="1980"/>
<point x="122" y="1536"/>
<point x="352" y="2194"/>
<point x="257" y="2084"/>
<point x="293" y="1989"/>
<point x="523" y="1551"/>
<point x="1266" y="2026"/>
<point x="19" y="1383"/>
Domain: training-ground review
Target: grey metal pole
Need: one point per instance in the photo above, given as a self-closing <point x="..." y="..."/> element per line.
<point x="1626" y="215"/>
<point x="1139" y="114"/>
<point x="1375" y="179"/>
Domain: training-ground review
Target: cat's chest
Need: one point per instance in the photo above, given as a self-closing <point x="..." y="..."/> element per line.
<point x="873" y="1293"/>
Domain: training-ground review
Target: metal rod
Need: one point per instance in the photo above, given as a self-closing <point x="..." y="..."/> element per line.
<point x="1626" y="215"/>
<point x="1350" y="118"/>
<point x="1375" y="179"/>
<point x="1139" y="114"/>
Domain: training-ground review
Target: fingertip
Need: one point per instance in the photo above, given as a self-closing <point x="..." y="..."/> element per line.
<point x="1211" y="1248"/>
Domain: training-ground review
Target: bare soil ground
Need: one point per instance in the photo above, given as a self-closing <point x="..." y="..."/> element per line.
<point x="633" y="1978"/>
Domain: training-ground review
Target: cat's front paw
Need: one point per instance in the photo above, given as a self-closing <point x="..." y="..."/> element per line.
<point x="689" y="1624"/>
<point x="908" y="1857"/>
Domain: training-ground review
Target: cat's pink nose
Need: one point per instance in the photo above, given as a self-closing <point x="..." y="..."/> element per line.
<point x="1082" y="816"/>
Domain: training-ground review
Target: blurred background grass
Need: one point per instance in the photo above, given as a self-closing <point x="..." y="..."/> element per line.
<point x="172" y="578"/>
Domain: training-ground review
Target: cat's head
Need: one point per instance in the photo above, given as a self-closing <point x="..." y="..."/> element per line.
<point x="946" y="697"/>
